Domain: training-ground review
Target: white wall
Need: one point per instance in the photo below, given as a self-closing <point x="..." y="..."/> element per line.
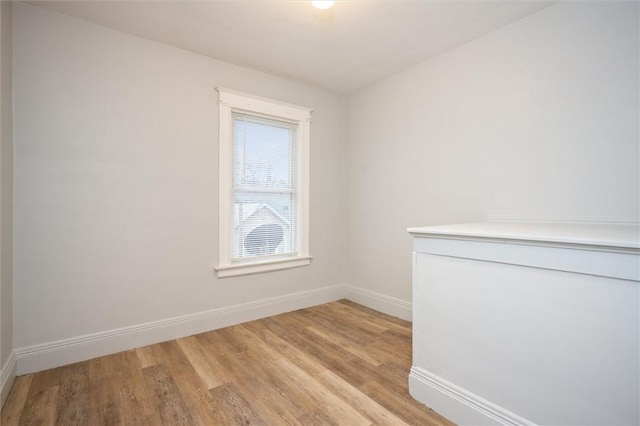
<point x="7" y="368"/>
<point x="116" y="209"/>
<point x="538" y="119"/>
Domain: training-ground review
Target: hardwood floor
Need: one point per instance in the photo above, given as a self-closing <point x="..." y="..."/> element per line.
<point x="334" y="364"/>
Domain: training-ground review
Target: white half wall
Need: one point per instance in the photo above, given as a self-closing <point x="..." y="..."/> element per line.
<point x="116" y="190"/>
<point x="511" y="325"/>
<point x="537" y="120"/>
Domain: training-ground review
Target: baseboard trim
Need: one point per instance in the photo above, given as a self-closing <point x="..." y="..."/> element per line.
<point x="7" y="375"/>
<point x="40" y="357"/>
<point x="380" y="302"/>
<point x="458" y="404"/>
<point x="54" y="354"/>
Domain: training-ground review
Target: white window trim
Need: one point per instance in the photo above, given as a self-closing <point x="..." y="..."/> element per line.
<point x="231" y="101"/>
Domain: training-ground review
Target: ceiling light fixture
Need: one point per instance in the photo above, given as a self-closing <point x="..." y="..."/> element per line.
<point x="322" y="4"/>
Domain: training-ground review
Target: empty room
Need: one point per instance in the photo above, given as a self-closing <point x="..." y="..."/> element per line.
<point x="278" y="212"/>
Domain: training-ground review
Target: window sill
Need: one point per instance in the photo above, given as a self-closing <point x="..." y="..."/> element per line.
<point x="258" y="267"/>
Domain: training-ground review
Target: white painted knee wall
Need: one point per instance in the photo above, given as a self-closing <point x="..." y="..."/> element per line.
<point x="520" y="323"/>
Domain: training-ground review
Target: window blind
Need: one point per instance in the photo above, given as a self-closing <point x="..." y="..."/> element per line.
<point x="264" y="187"/>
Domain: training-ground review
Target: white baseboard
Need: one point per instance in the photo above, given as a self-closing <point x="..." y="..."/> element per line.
<point x="7" y="375"/>
<point x="40" y="357"/>
<point x="458" y="404"/>
<point x="62" y="352"/>
<point x="380" y="302"/>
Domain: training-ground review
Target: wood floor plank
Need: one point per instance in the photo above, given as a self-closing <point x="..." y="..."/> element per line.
<point x="44" y="380"/>
<point x="377" y="317"/>
<point x="265" y="380"/>
<point x="99" y="368"/>
<point x="335" y="364"/>
<point x="352" y="316"/>
<point x="251" y="375"/>
<point x="173" y="356"/>
<point x="279" y="397"/>
<point x="350" y="320"/>
<point x="41" y="408"/>
<point x="103" y="403"/>
<point x="135" y="403"/>
<point x="236" y="411"/>
<point x="296" y="319"/>
<point x="234" y="365"/>
<point x="149" y="355"/>
<point x="333" y="357"/>
<point x="408" y="409"/>
<point x="205" y="366"/>
<point x="327" y="353"/>
<point x="256" y="344"/>
<point x="329" y="322"/>
<point x="273" y="413"/>
<point x="317" y="418"/>
<point x="168" y="399"/>
<point x="358" y="350"/>
<point x="286" y="394"/>
<point x="16" y="399"/>
<point x="389" y="350"/>
<point x="196" y="396"/>
<point x="73" y="396"/>
<point x="205" y="410"/>
<point x="358" y="400"/>
<point x="334" y="407"/>
<point x="233" y="341"/>
<point x="394" y="376"/>
<point x="291" y="352"/>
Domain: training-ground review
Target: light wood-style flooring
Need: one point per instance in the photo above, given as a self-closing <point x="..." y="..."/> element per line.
<point x="334" y="364"/>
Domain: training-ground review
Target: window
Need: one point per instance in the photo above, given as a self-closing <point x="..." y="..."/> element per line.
<point x="264" y="185"/>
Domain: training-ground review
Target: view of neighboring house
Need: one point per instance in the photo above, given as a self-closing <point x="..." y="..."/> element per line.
<point x="260" y="230"/>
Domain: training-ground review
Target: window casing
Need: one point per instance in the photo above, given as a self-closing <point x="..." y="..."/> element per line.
<point x="264" y="185"/>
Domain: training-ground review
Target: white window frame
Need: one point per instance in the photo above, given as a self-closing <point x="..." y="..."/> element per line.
<point x="231" y="101"/>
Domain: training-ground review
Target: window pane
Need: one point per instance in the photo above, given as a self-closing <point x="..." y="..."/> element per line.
<point x="263" y="178"/>
<point x="263" y="224"/>
<point x="262" y="152"/>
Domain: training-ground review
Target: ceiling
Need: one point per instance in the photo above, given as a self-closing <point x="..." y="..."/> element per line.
<point x="341" y="49"/>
